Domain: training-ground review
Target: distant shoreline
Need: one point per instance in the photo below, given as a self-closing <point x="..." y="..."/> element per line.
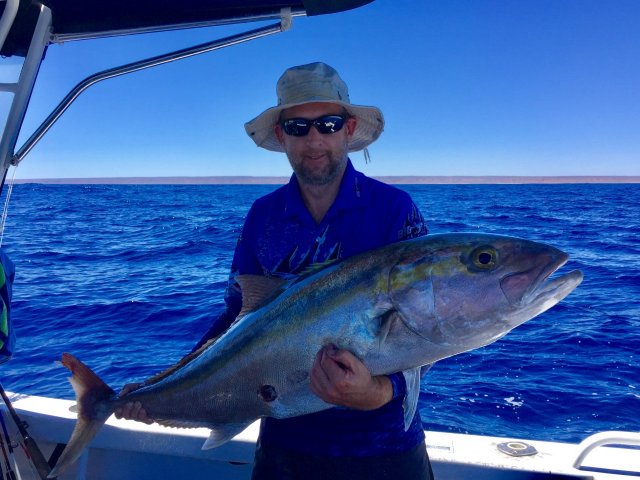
<point x="396" y="180"/>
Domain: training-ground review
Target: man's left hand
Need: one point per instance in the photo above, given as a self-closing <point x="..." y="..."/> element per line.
<point x="340" y="378"/>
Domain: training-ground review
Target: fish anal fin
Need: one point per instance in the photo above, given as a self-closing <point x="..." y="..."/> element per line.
<point x="172" y="423"/>
<point x="258" y="290"/>
<point x="221" y="434"/>
<point x="410" y="404"/>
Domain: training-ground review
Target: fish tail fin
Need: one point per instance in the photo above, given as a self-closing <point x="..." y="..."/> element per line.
<point x="92" y="396"/>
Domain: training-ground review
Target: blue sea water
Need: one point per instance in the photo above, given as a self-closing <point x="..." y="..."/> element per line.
<point x="127" y="278"/>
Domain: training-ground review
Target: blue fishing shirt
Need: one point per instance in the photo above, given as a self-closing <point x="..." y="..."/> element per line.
<point x="280" y="238"/>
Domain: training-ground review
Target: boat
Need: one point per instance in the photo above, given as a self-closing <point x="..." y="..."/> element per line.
<point x="38" y="427"/>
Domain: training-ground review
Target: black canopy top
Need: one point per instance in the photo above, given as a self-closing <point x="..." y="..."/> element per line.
<point x="91" y="17"/>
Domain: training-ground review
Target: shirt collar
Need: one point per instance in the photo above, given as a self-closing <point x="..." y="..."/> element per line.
<point x="349" y="194"/>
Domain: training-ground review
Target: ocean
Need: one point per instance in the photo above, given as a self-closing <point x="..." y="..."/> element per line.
<point x="127" y="277"/>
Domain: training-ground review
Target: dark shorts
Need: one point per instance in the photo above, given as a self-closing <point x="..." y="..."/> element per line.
<point x="276" y="464"/>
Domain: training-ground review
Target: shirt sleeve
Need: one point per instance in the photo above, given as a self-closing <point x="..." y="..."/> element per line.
<point x="398" y="383"/>
<point x="405" y="220"/>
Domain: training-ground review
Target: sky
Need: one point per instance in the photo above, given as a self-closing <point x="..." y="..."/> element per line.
<point x="467" y="87"/>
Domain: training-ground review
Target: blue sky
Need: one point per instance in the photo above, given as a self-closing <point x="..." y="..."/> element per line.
<point x="467" y="87"/>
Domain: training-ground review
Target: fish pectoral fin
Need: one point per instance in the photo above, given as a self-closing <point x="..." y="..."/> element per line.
<point x="221" y="434"/>
<point x="410" y="404"/>
<point x="386" y="319"/>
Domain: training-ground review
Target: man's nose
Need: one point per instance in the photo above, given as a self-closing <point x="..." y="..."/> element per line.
<point x="314" y="136"/>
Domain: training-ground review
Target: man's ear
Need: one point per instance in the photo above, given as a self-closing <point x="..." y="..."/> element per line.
<point x="277" y="129"/>
<point x="352" y="123"/>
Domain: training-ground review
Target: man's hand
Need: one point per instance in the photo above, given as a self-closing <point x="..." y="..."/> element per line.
<point x="132" y="410"/>
<point x="340" y="378"/>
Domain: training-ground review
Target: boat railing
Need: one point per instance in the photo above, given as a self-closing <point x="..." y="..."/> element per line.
<point x="8" y="16"/>
<point x="24" y="86"/>
<point x="42" y="37"/>
<point x="626" y="439"/>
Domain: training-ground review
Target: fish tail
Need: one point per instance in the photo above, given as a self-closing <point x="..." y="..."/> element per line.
<point x="92" y="396"/>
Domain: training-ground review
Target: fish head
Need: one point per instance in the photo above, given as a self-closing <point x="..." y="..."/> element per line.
<point x="464" y="291"/>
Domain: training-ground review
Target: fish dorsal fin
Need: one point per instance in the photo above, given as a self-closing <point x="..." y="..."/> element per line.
<point x="258" y="290"/>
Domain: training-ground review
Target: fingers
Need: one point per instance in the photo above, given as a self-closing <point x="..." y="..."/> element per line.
<point x="336" y="374"/>
<point x="133" y="411"/>
<point x="129" y="387"/>
<point x="340" y="378"/>
<point x="319" y="379"/>
<point x="332" y="365"/>
<point x="337" y="364"/>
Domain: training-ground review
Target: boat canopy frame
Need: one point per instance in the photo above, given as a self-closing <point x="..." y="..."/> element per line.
<point x="56" y="21"/>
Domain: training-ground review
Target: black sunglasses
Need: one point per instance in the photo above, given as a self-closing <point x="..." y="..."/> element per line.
<point x="299" y="127"/>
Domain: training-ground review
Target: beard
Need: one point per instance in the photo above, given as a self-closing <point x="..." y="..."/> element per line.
<point x="320" y="174"/>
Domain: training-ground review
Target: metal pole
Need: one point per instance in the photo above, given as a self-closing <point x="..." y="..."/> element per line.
<point x="24" y="88"/>
<point x="36" y="455"/>
<point x="9" y="446"/>
<point x="136" y="66"/>
<point x="8" y="16"/>
<point x="10" y="474"/>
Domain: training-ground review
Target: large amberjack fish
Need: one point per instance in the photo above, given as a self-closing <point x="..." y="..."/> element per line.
<point x="396" y="308"/>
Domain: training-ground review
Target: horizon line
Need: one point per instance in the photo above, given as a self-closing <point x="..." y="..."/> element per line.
<point x="281" y="180"/>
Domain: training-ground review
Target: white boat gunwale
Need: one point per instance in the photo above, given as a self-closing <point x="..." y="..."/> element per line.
<point x="604" y="456"/>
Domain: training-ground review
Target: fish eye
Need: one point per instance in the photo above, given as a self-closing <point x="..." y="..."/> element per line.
<point x="484" y="258"/>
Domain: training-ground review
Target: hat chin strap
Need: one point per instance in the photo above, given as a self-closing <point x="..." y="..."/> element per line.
<point x="367" y="156"/>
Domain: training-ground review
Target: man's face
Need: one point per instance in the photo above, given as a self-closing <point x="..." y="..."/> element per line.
<point x="316" y="158"/>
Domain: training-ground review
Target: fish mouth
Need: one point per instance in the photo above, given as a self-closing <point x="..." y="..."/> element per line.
<point x="534" y="289"/>
<point x="552" y="291"/>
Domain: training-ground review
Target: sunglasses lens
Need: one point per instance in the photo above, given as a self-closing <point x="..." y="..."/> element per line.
<point x="299" y="127"/>
<point x="329" y="124"/>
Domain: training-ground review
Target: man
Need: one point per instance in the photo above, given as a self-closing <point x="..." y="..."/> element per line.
<point x="328" y="211"/>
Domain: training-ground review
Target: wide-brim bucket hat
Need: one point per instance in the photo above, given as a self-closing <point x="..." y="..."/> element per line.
<point x="312" y="83"/>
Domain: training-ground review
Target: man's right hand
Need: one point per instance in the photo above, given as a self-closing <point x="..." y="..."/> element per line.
<point x="132" y="410"/>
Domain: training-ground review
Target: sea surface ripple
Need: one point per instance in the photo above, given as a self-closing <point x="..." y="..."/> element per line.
<point x="127" y="278"/>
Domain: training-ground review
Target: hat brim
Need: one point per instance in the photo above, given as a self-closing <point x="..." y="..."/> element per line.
<point x="368" y="128"/>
